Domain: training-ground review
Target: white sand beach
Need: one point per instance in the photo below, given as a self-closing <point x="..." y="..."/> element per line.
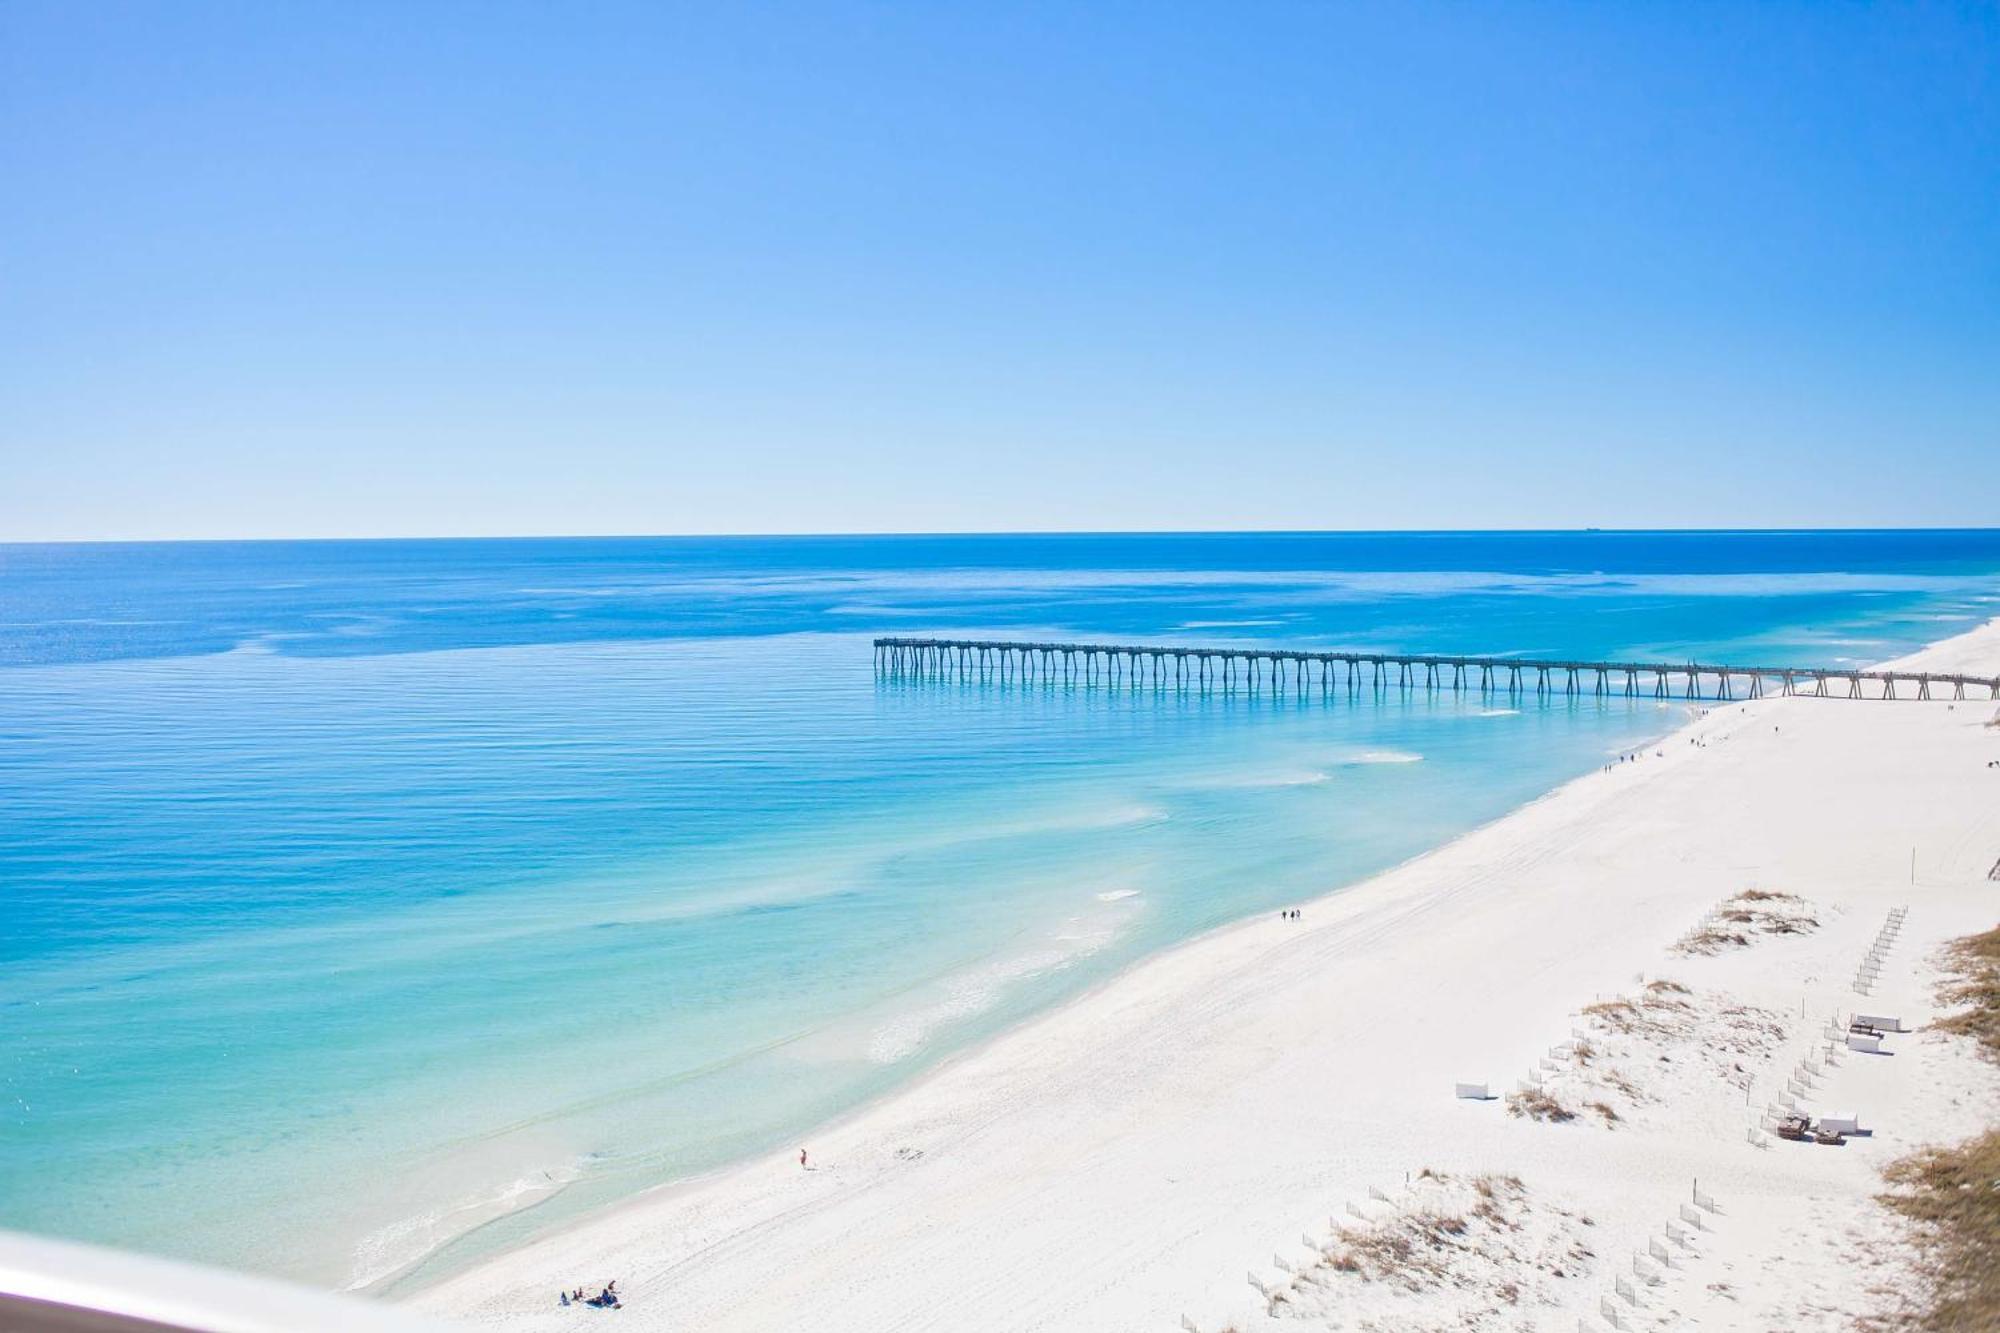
<point x="1134" y="1159"/>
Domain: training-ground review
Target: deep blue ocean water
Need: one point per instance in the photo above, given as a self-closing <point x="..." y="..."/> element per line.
<point x="372" y="904"/>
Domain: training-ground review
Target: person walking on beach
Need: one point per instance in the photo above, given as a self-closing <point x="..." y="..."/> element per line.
<point x="802" y="1160"/>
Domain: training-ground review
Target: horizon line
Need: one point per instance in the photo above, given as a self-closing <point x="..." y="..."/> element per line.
<point x="920" y="534"/>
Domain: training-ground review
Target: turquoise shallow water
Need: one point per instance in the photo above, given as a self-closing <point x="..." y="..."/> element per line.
<point x="359" y="896"/>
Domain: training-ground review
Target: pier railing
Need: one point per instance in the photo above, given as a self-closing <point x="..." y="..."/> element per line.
<point x="1206" y="666"/>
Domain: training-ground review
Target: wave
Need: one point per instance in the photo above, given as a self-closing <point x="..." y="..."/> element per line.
<point x="395" y="1248"/>
<point x="1298" y="777"/>
<point x="808" y="873"/>
<point x="1228" y="624"/>
<point x="981" y="988"/>
<point x="877" y="609"/>
<point x="1383" y="757"/>
<point x="1111" y="816"/>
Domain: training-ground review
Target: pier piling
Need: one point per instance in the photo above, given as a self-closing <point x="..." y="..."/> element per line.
<point x="1161" y="667"/>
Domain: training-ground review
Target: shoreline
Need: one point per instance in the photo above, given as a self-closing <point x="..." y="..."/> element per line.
<point x="409" y="1284"/>
<point x="682" y="1248"/>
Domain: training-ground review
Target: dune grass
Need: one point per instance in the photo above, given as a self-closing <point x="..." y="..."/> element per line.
<point x="1973" y="980"/>
<point x="1537" y="1104"/>
<point x="1953" y="1194"/>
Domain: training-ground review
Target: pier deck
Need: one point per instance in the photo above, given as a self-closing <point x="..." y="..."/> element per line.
<point x="1224" y="667"/>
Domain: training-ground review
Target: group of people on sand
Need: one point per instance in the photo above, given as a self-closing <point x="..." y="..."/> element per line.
<point x="603" y="1300"/>
<point x="1290" y="914"/>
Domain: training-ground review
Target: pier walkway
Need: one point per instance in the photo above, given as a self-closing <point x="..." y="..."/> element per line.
<point x="1205" y="666"/>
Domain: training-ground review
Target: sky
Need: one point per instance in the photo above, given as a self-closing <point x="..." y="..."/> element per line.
<point x="375" y="269"/>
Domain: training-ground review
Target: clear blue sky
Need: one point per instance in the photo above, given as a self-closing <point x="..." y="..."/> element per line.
<point x="404" y="268"/>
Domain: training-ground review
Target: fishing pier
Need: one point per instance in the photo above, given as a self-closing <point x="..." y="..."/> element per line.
<point x="1203" y="667"/>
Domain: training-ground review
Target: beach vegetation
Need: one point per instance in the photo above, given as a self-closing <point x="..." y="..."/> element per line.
<point x="1414" y="1249"/>
<point x="1493" y="1190"/>
<point x="1972" y="985"/>
<point x="1655" y="1012"/>
<point x="1951" y="1195"/>
<point x="1538" y="1104"/>
<point x="1749" y="914"/>
<point x="1618" y="1082"/>
<point x="1714" y="939"/>
<point x="1952" y="1198"/>
<point x="1480" y="1238"/>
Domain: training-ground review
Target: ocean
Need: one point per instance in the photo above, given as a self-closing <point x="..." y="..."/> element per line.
<point x="371" y="905"/>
